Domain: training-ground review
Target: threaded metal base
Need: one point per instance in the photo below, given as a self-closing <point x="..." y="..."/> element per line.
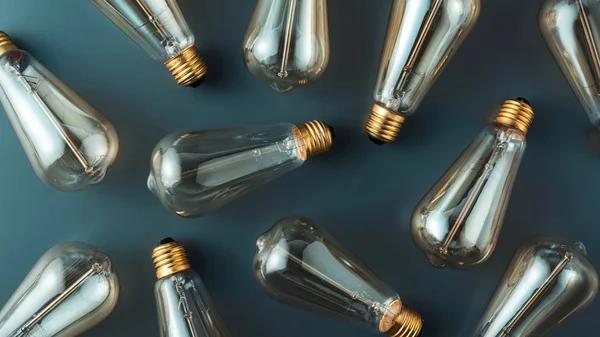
<point x="6" y="43"/>
<point x="383" y="124"/>
<point x="407" y="324"/>
<point x="515" y="113"/>
<point x="317" y="137"/>
<point x="170" y="258"/>
<point x="187" y="67"/>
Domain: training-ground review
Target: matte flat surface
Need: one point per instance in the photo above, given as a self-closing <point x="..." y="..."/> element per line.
<point x="362" y="193"/>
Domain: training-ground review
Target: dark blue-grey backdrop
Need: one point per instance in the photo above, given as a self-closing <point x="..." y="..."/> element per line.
<point x="362" y="193"/>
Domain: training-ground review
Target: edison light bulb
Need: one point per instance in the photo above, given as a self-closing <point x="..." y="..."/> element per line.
<point x="70" y="144"/>
<point x="72" y="288"/>
<point x="158" y="26"/>
<point x="458" y="222"/>
<point x="287" y="43"/>
<point x="547" y="282"/>
<point x="184" y="306"/>
<point x="197" y="172"/>
<point x="422" y="36"/>
<point x="298" y="262"/>
<point x="570" y="29"/>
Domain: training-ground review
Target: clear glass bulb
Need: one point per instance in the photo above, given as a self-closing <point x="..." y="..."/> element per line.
<point x="184" y="306"/>
<point x="299" y="263"/>
<point x="69" y="143"/>
<point x="72" y="288"/>
<point x="547" y="282"/>
<point x="197" y="172"/>
<point x="287" y="43"/>
<point x="422" y="37"/>
<point x="570" y="29"/>
<point x="158" y="26"/>
<point x="458" y="222"/>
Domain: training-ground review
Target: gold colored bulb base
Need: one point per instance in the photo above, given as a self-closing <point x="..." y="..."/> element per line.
<point x="383" y="124"/>
<point x="187" y="67"/>
<point x="170" y="258"/>
<point x="515" y="113"/>
<point x="317" y="137"/>
<point x="408" y="324"/>
<point x="6" y="43"/>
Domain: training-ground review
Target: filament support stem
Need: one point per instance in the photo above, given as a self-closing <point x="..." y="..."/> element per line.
<point x="287" y="43"/>
<point x="187" y="67"/>
<point x="316" y="137"/>
<point x="170" y="258"/>
<point x="383" y="124"/>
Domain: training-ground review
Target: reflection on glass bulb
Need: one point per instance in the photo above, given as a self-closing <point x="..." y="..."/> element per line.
<point x="72" y="288"/>
<point x="570" y="29"/>
<point x="458" y="222"/>
<point x="184" y="306"/>
<point x="197" y="172"/>
<point x="69" y="143"/>
<point x="548" y="281"/>
<point x="422" y="37"/>
<point x="287" y="43"/>
<point x="299" y="263"/>
<point x="158" y="26"/>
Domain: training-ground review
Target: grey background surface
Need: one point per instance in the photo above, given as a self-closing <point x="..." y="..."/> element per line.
<point x="362" y="193"/>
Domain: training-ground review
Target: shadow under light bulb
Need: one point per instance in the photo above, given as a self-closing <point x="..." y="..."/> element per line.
<point x="287" y="43"/>
<point x="570" y="29"/>
<point x="548" y="281"/>
<point x="184" y="306"/>
<point x="458" y="222"/>
<point x="194" y="173"/>
<point x="159" y="27"/>
<point x="72" y="288"/>
<point x="299" y="263"/>
<point x="69" y="143"/>
<point x="422" y="36"/>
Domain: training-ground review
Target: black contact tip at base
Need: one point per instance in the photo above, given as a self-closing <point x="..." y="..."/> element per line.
<point x="524" y="100"/>
<point x="198" y="83"/>
<point x="332" y="131"/>
<point x="376" y="141"/>
<point x="165" y="241"/>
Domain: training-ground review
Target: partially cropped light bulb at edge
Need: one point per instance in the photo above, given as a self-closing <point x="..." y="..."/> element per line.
<point x="159" y="27"/>
<point x="194" y="173"/>
<point x="458" y="222"/>
<point x="422" y="37"/>
<point x="299" y="263"/>
<point x="72" y="288"/>
<point x="69" y="143"/>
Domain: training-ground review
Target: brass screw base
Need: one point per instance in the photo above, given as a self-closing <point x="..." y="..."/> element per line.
<point x="170" y="258"/>
<point x="408" y="324"/>
<point x="6" y="44"/>
<point x="317" y="137"/>
<point x="515" y="113"/>
<point x="187" y="67"/>
<point x="383" y="124"/>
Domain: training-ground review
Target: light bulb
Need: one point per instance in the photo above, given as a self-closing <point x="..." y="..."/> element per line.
<point x="72" y="288"/>
<point x="69" y="143"/>
<point x="422" y="37"/>
<point x="197" y="172"/>
<point x="287" y="43"/>
<point x="547" y="282"/>
<point x="158" y="26"/>
<point x="184" y="306"/>
<point x="570" y="29"/>
<point x="299" y="263"/>
<point x="458" y="222"/>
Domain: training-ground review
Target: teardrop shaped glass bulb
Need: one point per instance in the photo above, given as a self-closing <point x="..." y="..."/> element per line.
<point x="458" y="222"/>
<point x="287" y="43"/>
<point x="70" y="144"/>
<point x="72" y="288"/>
<point x="299" y="263"/>
<point x="422" y="37"/>
<point x="548" y="281"/>
<point x="197" y="172"/>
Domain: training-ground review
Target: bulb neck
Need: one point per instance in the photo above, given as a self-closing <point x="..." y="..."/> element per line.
<point x="6" y="43"/>
<point x="187" y="67"/>
<point x="515" y="113"/>
<point x="317" y="137"/>
<point x="383" y="124"/>
<point x="408" y="324"/>
<point x="170" y="258"/>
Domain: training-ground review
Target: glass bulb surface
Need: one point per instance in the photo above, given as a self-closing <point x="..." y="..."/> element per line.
<point x="570" y="28"/>
<point x="458" y="222"/>
<point x="548" y="281"/>
<point x="70" y="144"/>
<point x="287" y="43"/>
<point x="72" y="288"/>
